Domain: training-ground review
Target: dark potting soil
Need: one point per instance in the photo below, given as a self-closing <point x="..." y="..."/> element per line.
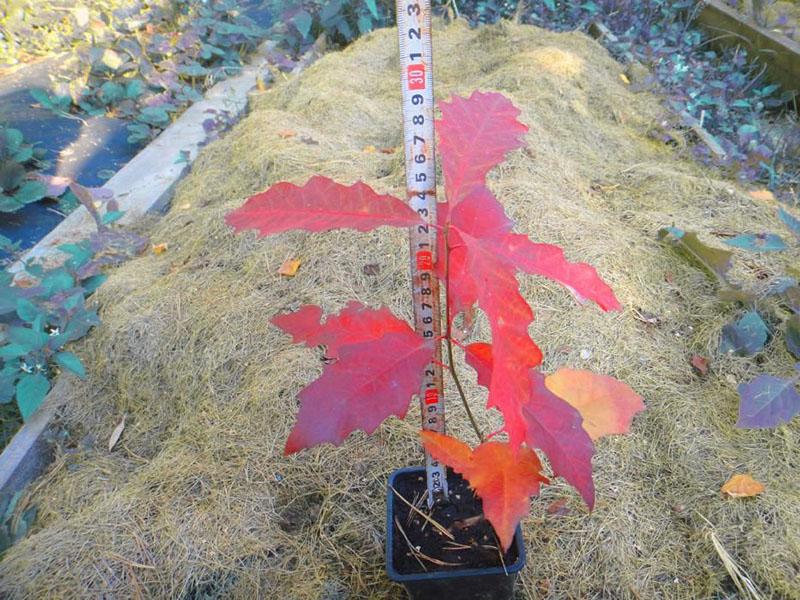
<point x="456" y="516"/>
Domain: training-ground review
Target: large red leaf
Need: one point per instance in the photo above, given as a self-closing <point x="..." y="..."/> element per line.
<point x="607" y="405"/>
<point x="321" y="204"/>
<point x="549" y="261"/>
<point x="504" y="479"/>
<point x="479" y="272"/>
<point x="543" y="420"/>
<point x="556" y="428"/>
<point x="377" y="371"/>
<point x="355" y="323"/>
<point x="475" y="134"/>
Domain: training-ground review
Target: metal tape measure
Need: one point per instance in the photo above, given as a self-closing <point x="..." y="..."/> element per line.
<point x="416" y="61"/>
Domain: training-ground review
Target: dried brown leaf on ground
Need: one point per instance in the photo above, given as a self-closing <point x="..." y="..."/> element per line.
<point x="116" y="434"/>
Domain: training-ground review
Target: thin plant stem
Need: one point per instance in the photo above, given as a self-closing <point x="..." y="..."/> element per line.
<point x="449" y="341"/>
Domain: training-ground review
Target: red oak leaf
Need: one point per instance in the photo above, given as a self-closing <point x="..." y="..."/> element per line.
<point x="544" y="421"/>
<point x="549" y="261"/>
<point x="479" y="356"/>
<point x="355" y="323"/>
<point x="503" y="478"/>
<point x="607" y="405"/>
<point x="475" y="134"/>
<point x="479" y="272"/>
<point x="484" y="255"/>
<point x="374" y="377"/>
<point x="321" y="204"/>
<point x="556" y="428"/>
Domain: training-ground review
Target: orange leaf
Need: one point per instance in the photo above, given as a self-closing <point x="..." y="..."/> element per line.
<point x="286" y="133"/>
<point x="502" y="478"/>
<point x="606" y="404"/>
<point x="160" y="248"/>
<point x="742" y="486"/>
<point x="289" y="267"/>
<point x="762" y="195"/>
<point x="453" y="452"/>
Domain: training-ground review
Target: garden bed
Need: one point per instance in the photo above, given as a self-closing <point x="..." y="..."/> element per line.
<point x="778" y="50"/>
<point x="196" y="499"/>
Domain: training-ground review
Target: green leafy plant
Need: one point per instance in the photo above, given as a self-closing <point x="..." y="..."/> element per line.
<point x="153" y="63"/>
<point x="19" y="163"/>
<point x="42" y="310"/>
<point x="13" y="528"/>
<point x="303" y="21"/>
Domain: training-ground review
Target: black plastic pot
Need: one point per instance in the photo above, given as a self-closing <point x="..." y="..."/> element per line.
<point x="491" y="583"/>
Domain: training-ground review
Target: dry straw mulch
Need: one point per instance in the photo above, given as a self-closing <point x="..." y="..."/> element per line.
<point x="196" y="500"/>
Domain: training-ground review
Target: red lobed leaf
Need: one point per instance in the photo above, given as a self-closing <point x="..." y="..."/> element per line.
<point x="545" y="421"/>
<point x="556" y="428"/>
<point x="319" y="205"/>
<point x="478" y="271"/>
<point x="549" y="261"/>
<point x="607" y="405"/>
<point x="483" y="259"/>
<point x="475" y="134"/>
<point x="355" y="323"/>
<point x="479" y="356"/>
<point x="503" y="478"/>
<point x="377" y="371"/>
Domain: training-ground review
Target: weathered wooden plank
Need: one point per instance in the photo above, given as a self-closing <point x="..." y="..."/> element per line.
<point x="780" y="54"/>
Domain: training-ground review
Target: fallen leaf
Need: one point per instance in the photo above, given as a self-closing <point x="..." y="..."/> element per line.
<point x="260" y="85"/>
<point x="286" y="133"/>
<point x="160" y="248"/>
<point x="558" y="508"/>
<point x="792" y="222"/>
<point x="116" y="434"/>
<point x="742" y="486"/>
<point x="645" y="317"/>
<point x="762" y="195"/>
<point x="715" y="260"/>
<point x="289" y="267"/>
<point x="369" y="149"/>
<point x="758" y="242"/>
<point x="767" y="401"/>
<point x="624" y="79"/>
<point x="309" y="140"/>
<point x="387" y="150"/>
<point x="372" y="269"/>
<point x="745" y="336"/>
<point x="700" y="364"/>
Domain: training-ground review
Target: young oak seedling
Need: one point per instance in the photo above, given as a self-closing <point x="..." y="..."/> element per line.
<point x="378" y="359"/>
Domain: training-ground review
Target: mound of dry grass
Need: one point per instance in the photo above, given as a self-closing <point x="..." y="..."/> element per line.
<point x="196" y="501"/>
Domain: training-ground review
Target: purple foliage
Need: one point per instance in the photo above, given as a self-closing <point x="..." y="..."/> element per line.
<point x="768" y="401"/>
<point x="725" y="92"/>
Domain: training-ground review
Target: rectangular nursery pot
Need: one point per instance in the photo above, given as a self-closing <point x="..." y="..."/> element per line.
<point x="490" y="583"/>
